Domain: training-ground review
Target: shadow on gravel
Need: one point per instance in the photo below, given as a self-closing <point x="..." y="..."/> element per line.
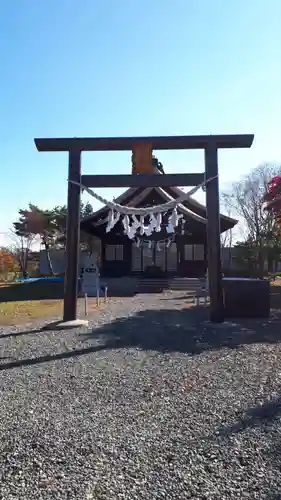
<point x="263" y="414"/>
<point x="52" y="357"/>
<point x="184" y="330"/>
<point x="21" y="333"/>
<point x="267" y="417"/>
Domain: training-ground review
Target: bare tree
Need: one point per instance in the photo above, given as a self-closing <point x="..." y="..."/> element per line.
<point x="226" y="239"/>
<point x="21" y="247"/>
<point x="227" y="236"/>
<point x="245" y="199"/>
<point x="226" y="242"/>
<point x="226" y="246"/>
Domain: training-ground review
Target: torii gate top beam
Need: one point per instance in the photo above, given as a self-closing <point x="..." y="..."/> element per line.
<point x="127" y="143"/>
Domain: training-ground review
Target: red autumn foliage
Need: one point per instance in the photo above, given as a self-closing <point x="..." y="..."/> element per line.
<point x="273" y="197"/>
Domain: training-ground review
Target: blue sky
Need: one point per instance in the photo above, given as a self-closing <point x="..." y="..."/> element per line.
<point x="133" y="67"/>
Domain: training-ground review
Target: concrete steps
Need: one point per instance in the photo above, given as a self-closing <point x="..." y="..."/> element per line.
<point x="192" y="285"/>
<point x="187" y="284"/>
<point x="152" y="285"/>
<point x="131" y="285"/>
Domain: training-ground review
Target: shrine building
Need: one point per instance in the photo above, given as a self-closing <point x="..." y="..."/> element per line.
<point x="183" y="253"/>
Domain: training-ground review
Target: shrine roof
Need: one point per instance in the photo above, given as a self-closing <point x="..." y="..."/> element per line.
<point x="191" y="209"/>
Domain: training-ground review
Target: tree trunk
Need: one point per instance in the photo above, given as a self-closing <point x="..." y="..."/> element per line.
<point x="260" y="262"/>
<point x="49" y="260"/>
<point x="23" y="260"/>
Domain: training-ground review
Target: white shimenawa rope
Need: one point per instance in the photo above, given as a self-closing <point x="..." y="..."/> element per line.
<point x="154" y="213"/>
<point x="164" y="207"/>
<point x="158" y="244"/>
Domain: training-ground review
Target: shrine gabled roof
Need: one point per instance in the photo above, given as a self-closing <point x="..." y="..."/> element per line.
<point x="191" y="209"/>
<point x="199" y="208"/>
<point x="137" y="199"/>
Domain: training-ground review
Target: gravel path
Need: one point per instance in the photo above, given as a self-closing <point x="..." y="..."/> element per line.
<point x="149" y="403"/>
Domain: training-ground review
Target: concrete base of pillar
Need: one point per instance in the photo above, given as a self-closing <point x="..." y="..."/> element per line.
<point x="67" y="325"/>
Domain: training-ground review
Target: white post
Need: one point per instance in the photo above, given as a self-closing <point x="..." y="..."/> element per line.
<point x="86" y="304"/>
<point x="105" y="294"/>
<point x="98" y="287"/>
<point x="97" y="282"/>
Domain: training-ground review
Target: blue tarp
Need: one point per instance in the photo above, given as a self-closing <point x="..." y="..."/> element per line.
<point x="53" y="279"/>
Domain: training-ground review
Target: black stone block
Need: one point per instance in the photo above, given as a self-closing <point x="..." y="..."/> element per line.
<point x="246" y="298"/>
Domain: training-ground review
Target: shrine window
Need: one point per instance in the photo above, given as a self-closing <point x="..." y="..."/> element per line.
<point x="198" y="252"/>
<point x="114" y="252"/>
<point x="194" y="252"/>
<point x="188" y="252"/>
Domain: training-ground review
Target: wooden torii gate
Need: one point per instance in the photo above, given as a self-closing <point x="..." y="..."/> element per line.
<point x="209" y="143"/>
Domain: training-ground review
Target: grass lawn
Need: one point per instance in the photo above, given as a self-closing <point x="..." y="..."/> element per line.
<point x="24" y="302"/>
<point x="14" y="313"/>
